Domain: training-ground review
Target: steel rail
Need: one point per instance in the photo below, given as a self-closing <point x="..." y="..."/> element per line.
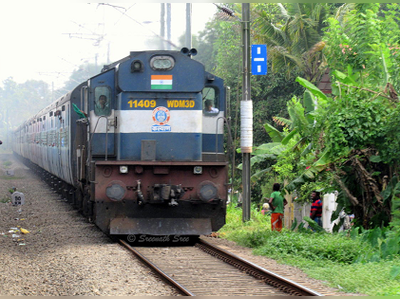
<point x="280" y="282"/>
<point x="161" y="273"/>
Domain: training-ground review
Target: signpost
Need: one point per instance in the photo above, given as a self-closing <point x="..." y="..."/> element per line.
<point x="259" y="59"/>
<point x="17" y="198"/>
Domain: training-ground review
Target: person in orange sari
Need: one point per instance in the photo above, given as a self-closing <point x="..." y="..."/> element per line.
<point x="276" y="203"/>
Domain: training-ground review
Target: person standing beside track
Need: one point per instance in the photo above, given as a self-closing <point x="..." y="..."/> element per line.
<point x="316" y="208"/>
<point x="276" y="203"/>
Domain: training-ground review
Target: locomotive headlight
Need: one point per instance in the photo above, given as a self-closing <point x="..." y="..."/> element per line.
<point x="123" y="169"/>
<point x="164" y="63"/>
<point x="198" y="170"/>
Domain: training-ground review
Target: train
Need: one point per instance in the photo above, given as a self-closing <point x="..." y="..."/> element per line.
<point x="137" y="148"/>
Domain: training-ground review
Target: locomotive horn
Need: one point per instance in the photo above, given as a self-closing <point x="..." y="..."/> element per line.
<point x="185" y="51"/>
<point x="193" y="52"/>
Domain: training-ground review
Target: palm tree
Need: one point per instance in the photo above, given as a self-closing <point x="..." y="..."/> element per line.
<point x="294" y="38"/>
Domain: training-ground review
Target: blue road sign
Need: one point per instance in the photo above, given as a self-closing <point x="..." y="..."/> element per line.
<point x="259" y="59"/>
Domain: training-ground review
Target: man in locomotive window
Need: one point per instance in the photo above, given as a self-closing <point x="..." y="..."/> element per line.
<point x="210" y="97"/>
<point x="209" y="109"/>
<point x="102" y="106"/>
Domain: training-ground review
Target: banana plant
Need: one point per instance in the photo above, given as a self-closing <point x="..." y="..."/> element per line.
<point x="298" y="127"/>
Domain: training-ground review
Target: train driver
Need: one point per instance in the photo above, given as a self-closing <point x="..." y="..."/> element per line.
<point x="102" y="106"/>
<point x="209" y="109"/>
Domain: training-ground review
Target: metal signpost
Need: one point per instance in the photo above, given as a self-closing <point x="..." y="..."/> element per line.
<point x="259" y="59"/>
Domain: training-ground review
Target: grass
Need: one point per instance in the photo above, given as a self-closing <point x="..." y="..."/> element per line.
<point x="333" y="258"/>
<point x="7" y="164"/>
<point x="5" y="200"/>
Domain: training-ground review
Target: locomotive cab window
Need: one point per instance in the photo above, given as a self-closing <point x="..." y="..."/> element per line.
<point x="210" y="101"/>
<point x="102" y="105"/>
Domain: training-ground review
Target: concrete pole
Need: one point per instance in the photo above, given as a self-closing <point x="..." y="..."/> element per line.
<point x="246" y="108"/>
<point x="168" y="25"/>
<point x="162" y="25"/>
<point x="188" y="40"/>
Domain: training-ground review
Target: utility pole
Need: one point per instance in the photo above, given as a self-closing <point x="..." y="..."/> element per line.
<point x="162" y="25"/>
<point x="168" y="25"/>
<point x="246" y="108"/>
<point x="188" y="26"/>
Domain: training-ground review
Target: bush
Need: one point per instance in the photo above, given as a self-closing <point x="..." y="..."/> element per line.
<point x="312" y="246"/>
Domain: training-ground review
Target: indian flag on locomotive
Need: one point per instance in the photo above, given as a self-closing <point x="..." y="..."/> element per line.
<point x="161" y="82"/>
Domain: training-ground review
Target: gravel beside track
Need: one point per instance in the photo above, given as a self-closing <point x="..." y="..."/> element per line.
<point x="63" y="253"/>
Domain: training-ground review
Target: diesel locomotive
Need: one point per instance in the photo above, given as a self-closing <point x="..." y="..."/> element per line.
<point x="138" y="148"/>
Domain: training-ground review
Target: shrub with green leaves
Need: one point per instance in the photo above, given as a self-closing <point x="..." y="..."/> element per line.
<point x="335" y="248"/>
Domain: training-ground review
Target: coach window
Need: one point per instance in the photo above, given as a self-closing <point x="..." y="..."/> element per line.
<point x="210" y="101"/>
<point x="102" y="101"/>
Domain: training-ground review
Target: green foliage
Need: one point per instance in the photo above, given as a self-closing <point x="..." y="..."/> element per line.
<point x="234" y="221"/>
<point x="368" y="42"/>
<point x="293" y="36"/>
<point x="351" y="122"/>
<point x="311" y="88"/>
<point x="395" y="272"/>
<point x="307" y="245"/>
<point x="5" y="200"/>
<point x="353" y="144"/>
<point x="222" y="41"/>
<point x="383" y="245"/>
<point x="396" y="212"/>
<point x="19" y="101"/>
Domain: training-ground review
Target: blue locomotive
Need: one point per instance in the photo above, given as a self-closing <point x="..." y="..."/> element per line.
<point x="137" y="148"/>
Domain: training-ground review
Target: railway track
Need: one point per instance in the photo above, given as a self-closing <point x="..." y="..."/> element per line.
<point x="206" y="270"/>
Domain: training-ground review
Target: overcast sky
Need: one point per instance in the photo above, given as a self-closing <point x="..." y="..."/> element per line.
<point x="47" y="40"/>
